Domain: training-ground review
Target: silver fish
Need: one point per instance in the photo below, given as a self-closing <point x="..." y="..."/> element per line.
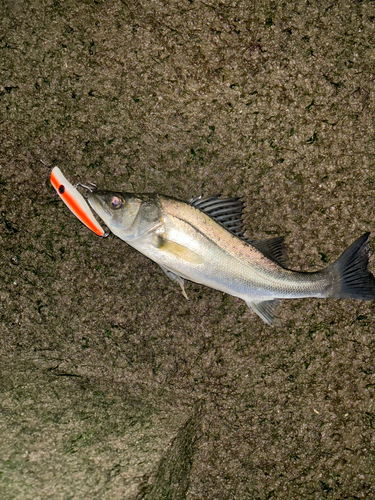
<point x="203" y="241"/>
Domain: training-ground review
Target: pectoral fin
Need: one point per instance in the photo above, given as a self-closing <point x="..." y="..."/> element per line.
<point x="264" y="309"/>
<point x="176" y="279"/>
<point x="177" y="250"/>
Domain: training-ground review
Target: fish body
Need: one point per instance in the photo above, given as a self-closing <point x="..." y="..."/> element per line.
<point x="202" y="241"/>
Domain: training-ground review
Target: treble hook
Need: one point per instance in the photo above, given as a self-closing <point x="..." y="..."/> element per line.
<point x="92" y="187"/>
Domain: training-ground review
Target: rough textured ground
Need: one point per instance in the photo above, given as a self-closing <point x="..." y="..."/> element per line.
<point x="111" y="384"/>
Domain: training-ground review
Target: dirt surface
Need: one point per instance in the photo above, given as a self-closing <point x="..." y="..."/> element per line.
<point x="112" y="385"/>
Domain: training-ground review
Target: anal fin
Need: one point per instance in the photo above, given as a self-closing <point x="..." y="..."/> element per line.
<point x="264" y="309"/>
<point x="176" y="279"/>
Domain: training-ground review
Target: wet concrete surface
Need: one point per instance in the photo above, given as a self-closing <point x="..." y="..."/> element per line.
<point x="112" y="385"/>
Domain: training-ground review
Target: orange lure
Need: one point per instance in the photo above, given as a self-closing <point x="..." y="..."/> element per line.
<point x="75" y="201"/>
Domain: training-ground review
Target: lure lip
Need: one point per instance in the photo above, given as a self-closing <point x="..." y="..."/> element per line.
<point x="75" y="201"/>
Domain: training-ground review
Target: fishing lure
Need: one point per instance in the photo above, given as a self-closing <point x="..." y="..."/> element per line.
<point x="75" y="201"/>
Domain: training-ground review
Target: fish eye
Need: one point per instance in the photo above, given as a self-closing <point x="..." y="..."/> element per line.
<point x="115" y="202"/>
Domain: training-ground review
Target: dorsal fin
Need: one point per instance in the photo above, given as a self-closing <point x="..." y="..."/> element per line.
<point x="228" y="213"/>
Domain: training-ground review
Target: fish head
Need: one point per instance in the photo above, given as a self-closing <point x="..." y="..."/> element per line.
<point x="117" y="210"/>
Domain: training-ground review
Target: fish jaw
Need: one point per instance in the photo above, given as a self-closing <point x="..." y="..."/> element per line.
<point x="96" y="201"/>
<point x="120" y="218"/>
<point x="132" y="218"/>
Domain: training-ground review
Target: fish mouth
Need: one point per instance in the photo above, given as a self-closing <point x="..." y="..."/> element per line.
<point x="97" y="203"/>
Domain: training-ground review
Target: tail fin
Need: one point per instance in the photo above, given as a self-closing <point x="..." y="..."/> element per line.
<point x="351" y="277"/>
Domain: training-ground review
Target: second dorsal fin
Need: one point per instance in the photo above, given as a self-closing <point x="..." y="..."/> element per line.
<point x="272" y="248"/>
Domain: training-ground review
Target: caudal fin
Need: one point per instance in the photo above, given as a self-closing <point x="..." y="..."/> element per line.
<point x="351" y="279"/>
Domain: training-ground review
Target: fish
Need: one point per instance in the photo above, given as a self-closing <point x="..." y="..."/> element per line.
<point x="75" y="201"/>
<point x="203" y="241"/>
